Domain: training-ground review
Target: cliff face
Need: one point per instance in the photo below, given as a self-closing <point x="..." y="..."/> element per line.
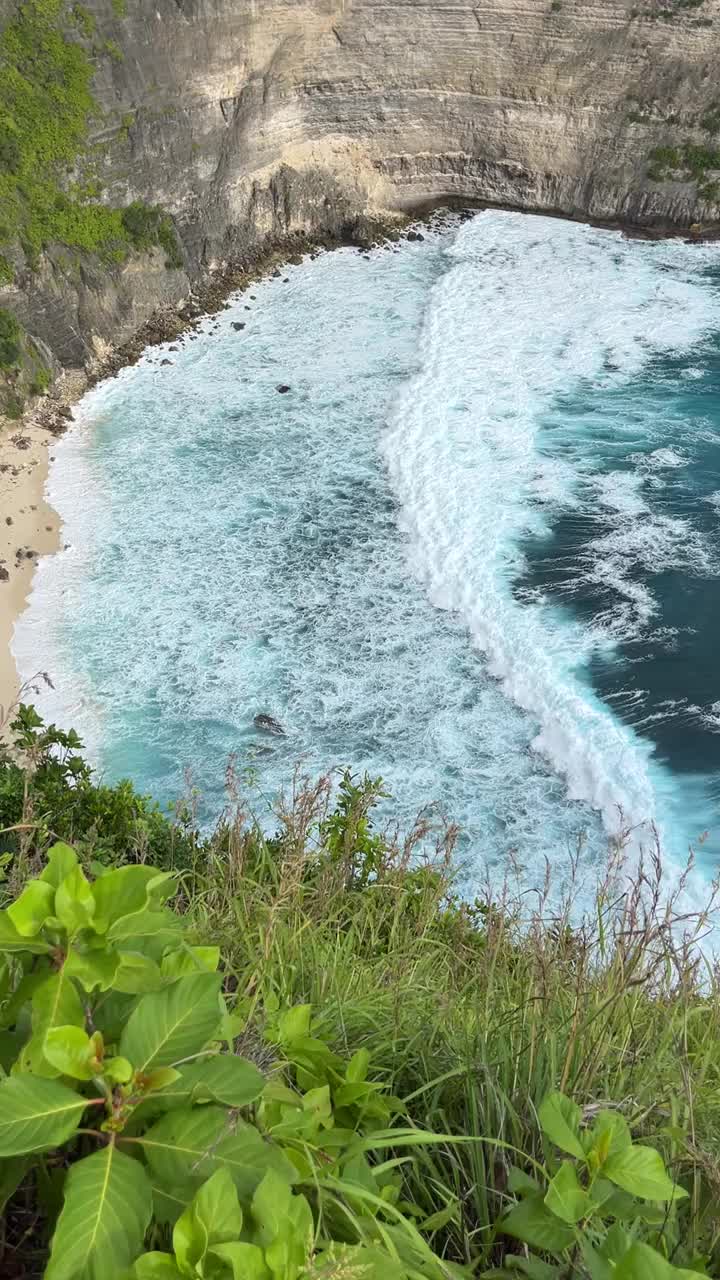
<point x="248" y="119"/>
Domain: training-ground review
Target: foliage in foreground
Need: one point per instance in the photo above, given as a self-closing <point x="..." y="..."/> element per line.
<point x="324" y="1064"/>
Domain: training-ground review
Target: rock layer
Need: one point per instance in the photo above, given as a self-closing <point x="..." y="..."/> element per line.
<point x="252" y="119"/>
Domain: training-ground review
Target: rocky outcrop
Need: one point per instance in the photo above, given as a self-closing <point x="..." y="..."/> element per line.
<point x="252" y="119"/>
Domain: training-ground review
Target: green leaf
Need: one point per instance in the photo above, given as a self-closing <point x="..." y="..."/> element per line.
<point x="533" y="1267"/>
<point x="61" y="860"/>
<point x="200" y="1140"/>
<point x="55" y="1003"/>
<point x="357" y="1067"/>
<point x="11" y="940"/>
<point x="213" y="1217"/>
<point x="129" y="890"/>
<point x="74" y="902"/>
<point x="610" y="1135"/>
<point x="643" y="1263"/>
<point x="73" y="1053"/>
<point x="224" y="1077"/>
<point x="173" y="1024"/>
<point x="137" y="974"/>
<point x="560" y="1120"/>
<point x="294" y="1024"/>
<point x="565" y="1197"/>
<point x="155" y="1266"/>
<point x="92" y="968"/>
<point x="153" y="926"/>
<point x="245" y="1260"/>
<point x="30" y="911"/>
<point x="598" y="1267"/>
<point x="36" y="1114"/>
<point x="532" y="1222"/>
<point x="640" y="1170"/>
<point x="175" y="964"/>
<point x="108" y="1203"/>
<point x="12" y="1173"/>
<point x="522" y="1183"/>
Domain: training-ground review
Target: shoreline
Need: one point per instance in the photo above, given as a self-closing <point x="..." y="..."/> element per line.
<point x="31" y="528"/>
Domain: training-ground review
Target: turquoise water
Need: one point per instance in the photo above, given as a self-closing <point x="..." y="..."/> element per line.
<point x="474" y="549"/>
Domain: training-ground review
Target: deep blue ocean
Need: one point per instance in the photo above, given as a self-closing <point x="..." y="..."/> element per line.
<point x="474" y="549"/>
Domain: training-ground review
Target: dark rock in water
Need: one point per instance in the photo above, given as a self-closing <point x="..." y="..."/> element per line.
<point x="238" y="324"/>
<point x="269" y="724"/>
<point x="277" y="275"/>
<point x="166" y="362"/>
<point x="283" y="389"/>
<point x="286" y="279"/>
<point x="174" y="348"/>
<point x="414" y="235"/>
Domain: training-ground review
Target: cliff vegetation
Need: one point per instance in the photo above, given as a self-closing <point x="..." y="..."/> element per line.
<point x="304" y="1056"/>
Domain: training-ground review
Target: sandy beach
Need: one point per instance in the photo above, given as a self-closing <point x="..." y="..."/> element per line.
<point x="29" y="528"/>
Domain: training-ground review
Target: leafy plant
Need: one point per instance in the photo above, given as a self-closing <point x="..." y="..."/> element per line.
<point x="48" y="792"/>
<point x="596" y="1212"/>
<point x="120" y="1071"/>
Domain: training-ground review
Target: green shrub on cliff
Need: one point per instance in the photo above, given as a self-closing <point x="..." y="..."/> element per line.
<point x="559" y="1079"/>
<point x="46" y="104"/>
<point x="10" y="344"/>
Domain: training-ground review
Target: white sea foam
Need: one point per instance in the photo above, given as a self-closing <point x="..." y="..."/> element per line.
<point x="235" y="551"/>
<point x="528" y="311"/>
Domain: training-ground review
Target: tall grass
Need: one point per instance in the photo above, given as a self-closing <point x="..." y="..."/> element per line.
<point x="473" y="1011"/>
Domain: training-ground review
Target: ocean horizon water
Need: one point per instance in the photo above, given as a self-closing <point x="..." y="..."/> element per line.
<point x="474" y="549"/>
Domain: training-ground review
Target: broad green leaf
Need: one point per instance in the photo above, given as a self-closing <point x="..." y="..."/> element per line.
<point x="74" y="902"/>
<point x="55" y="1003"/>
<point x="161" y="1078"/>
<point x="11" y="940"/>
<point x="129" y="890"/>
<point x="221" y="1077"/>
<point x="598" y="1266"/>
<point x="177" y="963"/>
<point x="357" y="1067"/>
<point x="532" y="1222"/>
<point x="73" y="1052"/>
<point x="155" y="1266"/>
<point x="137" y="974"/>
<point x="108" y="1203"/>
<point x="159" y="927"/>
<point x="247" y="1263"/>
<point x="36" y="1114"/>
<point x="610" y="1135"/>
<point x="30" y="911"/>
<point x="271" y="1207"/>
<point x="521" y="1183"/>
<point x="12" y="1173"/>
<point x="213" y="1217"/>
<point x="199" y="1140"/>
<point x="560" y="1119"/>
<point x="534" y="1268"/>
<point x="170" y="1025"/>
<point x="117" y="1070"/>
<point x="294" y="1024"/>
<point x="643" y="1263"/>
<point x="61" y="860"/>
<point x="92" y="968"/>
<point x="565" y="1197"/>
<point x="640" y="1170"/>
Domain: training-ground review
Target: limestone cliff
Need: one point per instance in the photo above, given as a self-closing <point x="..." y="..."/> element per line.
<point x="248" y="119"/>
